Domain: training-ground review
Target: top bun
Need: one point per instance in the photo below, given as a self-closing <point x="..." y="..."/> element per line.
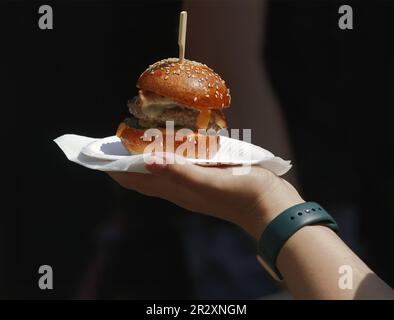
<point x="188" y="82"/>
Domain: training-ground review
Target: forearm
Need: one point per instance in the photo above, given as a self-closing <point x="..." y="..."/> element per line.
<point x="310" y="260"/>
<point x="310" y="263"/>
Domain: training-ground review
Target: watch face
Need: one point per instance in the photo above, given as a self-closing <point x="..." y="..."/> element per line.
<point x="271" y="272"/>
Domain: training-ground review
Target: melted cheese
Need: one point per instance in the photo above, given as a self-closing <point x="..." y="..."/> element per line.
<point x="153" y="105"/>
<point x="155" y="110"/>
<point x="203" y="119"/>
<point x="220" y="121"/>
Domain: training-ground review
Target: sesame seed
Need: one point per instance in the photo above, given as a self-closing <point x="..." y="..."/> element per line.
<point x="166" y="77"/>
<point x="195" y="99"/>
<point x="222" y="105"/>
<point x="207" y="95"/>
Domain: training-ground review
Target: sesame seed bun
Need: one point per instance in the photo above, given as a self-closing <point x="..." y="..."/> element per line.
<point x="190" y="83"/>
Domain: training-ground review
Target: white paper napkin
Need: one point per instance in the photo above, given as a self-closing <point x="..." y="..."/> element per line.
<point x="108" y="154"/>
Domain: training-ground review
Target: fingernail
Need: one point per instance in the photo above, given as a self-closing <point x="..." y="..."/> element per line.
<point x="156" y="167"/>
<point x="155" y="164"/>
<point x="153" y="158"/>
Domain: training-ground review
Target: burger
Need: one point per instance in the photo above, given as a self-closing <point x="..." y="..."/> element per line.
<point x="188" y="93"/>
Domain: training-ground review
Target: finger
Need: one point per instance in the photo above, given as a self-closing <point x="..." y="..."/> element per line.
<point x="144" y="183"/>
<point x="183" y="173"/>
<point x="151" y="185"/>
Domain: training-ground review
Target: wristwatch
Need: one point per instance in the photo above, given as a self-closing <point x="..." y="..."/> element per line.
<point x="284" y="226"/>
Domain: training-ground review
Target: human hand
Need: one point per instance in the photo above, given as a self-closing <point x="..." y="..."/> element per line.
<point x="251" y="200"/>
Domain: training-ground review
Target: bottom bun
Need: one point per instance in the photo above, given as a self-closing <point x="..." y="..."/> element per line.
<point x="195" y="145"/>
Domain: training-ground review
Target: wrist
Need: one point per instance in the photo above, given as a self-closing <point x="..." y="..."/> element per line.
<point x="271" y="195"/>
<point x="265" y="212"/>
<point x="286" y="225"/>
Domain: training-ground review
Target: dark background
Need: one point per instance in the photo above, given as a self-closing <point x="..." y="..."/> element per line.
<point x="335" y="87"/>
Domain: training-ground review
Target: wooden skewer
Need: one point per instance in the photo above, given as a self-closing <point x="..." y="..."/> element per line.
<point x="182" y="34"/>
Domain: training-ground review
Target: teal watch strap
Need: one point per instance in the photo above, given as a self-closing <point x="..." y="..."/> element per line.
<point x="285" y="225"/>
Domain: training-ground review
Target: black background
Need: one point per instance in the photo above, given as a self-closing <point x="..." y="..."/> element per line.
<point x="77" y="78"/>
